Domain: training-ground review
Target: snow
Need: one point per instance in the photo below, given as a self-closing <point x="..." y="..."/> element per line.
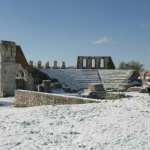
<point x="74" y="78"/>
<point x="79" y="79"/>
<point x="110" y="125"/>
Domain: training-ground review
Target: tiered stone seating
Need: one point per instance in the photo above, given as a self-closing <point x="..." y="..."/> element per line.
<point x="113" y="78"/>
<point x="75" y="78"/>
<point x="81" y="78"/>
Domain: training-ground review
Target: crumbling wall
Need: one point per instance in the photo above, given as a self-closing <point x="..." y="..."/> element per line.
<point x="12" y="61"/>
<point x="20" y="59"/>
<point x="95" y="62"/>
<point x="30" y="98"/>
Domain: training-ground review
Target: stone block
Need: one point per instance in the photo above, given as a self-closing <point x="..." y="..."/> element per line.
<point x="29" y="98"/>
<point x="96" y="87"/>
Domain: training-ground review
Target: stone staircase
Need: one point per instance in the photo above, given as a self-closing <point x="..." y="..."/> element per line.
<point x="74" y="78"/>
<point x="113" y="78"/>
<point x="79" y="79"/>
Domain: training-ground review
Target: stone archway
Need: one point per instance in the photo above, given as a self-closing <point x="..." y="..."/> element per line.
<point x="20" y="83"/>
<point x="20" y="74"/>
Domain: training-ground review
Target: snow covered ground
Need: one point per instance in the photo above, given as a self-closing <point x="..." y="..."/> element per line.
<point x="111" y="125"/>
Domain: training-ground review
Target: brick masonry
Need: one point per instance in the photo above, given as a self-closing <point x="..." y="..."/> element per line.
<point x="25" y="98"/>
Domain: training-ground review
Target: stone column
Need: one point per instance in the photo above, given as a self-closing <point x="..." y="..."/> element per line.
<point x="55" y="65"/>
<point x="97" y="62"/>
<point x="63" y="65"/>
<point x="106" y="61"/>
<point x="47" y="65"/>
<point x="88" y="63"/>
<point x="80" y="62"/>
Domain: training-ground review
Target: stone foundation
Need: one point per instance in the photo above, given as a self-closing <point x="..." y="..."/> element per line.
<point x="29" y="98"/>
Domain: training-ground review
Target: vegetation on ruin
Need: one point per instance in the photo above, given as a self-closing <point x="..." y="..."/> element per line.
<point x="135" y="65"/>
<point x="39" y="76"/>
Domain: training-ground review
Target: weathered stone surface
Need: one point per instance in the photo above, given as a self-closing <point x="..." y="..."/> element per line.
<point x="12" y="61"/>
<point x="107" y="96"/>
<point x="20" y="59"/>
<point x="47" y="65"/>
<point x="30" y="98"/>
<point x="63" y="65"/>
<point x="146" y="79"/>
<point x="96" y="87"/>
<point x="94" y="90"/>
<point x="95" y="62"/>
<point x="123" y="87"/>
<point x="55" y="65"/>
<point x="134" y="89"/>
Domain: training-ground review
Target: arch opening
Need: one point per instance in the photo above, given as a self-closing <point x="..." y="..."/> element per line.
<point x="20" y="83"/>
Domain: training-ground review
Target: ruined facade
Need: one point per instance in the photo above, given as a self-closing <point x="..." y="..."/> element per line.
<point x="14" y="69"/>
<point x="95" y="62"/>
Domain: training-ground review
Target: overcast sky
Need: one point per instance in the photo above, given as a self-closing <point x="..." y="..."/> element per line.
<point x="63" y="29"/>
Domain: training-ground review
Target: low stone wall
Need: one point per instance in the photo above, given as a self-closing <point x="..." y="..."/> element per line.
<point x="29" y="98"/>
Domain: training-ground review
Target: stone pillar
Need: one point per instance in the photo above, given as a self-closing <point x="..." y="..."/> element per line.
<point x="105" y="63"/>
<point x="55" y="65"/>
<point x="39" y="65"/>
<point x="7" y="68"/>
<point x="63" y="65"/>
<point x="88" y="63"/>
<point x="47" y="65"/>
<point x="80" y="62"/>
<point x="97" y="63"/>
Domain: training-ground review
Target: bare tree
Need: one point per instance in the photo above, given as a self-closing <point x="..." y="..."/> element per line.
<point x="135" y="65"/>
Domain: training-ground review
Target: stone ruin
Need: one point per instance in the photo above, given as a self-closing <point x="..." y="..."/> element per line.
<point x="95" y="87"/>
<point x="55" y="65"/>
<point x="47" y="65"/>
<point x="95" y="62"/>
<point x="63" y="65"/>
<point x="15" y="73"/>
<point x="83" y="62"/>
<point x="146" y="79"/>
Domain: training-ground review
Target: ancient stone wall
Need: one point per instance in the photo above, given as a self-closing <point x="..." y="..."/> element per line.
<point x="95" y="62"/>
<point x="20" y="59"/>
<point x="47" y="65"/>
<point x="12" y="61"/>
<point x="29" y="98"/>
